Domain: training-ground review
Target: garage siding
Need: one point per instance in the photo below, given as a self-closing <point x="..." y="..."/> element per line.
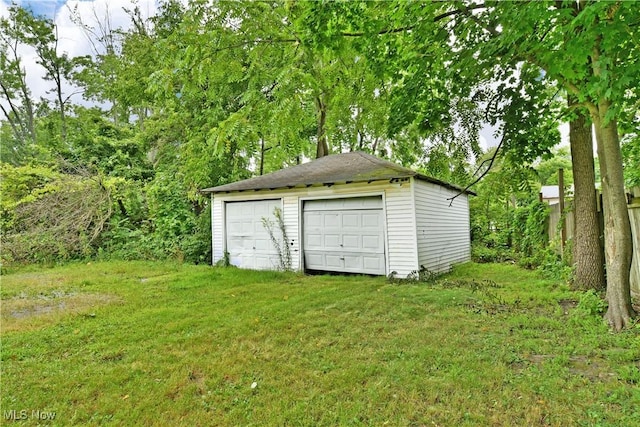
<point x="401" y="230"/>
<point x="443" y="233"/>
<point x="217" y="229"/>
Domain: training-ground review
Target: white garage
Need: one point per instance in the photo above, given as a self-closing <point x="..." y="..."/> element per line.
<point x="350" y="213"/>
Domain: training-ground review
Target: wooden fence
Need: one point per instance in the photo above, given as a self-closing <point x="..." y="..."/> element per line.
<point x="634" y="216"/>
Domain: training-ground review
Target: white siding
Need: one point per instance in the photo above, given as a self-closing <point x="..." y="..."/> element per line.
<point x="217" y="229"/>
<point x="401" y="229"/>
<point x="400" y="218"/>
<point x="443" y="233"/>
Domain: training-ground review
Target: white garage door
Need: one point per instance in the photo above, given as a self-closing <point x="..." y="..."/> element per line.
<point x="248" y="242"/>
<point x="345" y="235"/>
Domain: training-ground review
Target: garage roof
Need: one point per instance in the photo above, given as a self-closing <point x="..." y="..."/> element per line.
<point x="342" y="168"/>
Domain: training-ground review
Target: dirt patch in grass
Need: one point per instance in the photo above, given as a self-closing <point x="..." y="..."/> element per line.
<point x="590" y="368"/>
<point x="22" y="309"/>
<point x="567" y="305"/>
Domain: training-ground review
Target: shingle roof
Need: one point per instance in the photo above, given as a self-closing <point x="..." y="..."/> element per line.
<point x="333" y="169"/>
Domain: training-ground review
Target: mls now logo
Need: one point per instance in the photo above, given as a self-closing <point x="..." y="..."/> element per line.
<point x="23" y="414"/>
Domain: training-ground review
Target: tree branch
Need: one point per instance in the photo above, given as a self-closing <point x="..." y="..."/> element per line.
<point x="15" y="112"/>
<point x="486" y="171"/>
<point x="381" y="32"/>
<point x="437" y="18"/>
<point x="16" y="132"/>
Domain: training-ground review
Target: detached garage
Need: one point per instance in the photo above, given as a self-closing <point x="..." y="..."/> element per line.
<point x="351" y="212"/>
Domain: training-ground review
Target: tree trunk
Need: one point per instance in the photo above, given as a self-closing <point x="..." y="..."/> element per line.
<point x="63" y="114"/>
<point x="617" y="228"/>
<point x="28" y="108"/>
<point x="322" y="148"/>
<point x="588" y="258"/>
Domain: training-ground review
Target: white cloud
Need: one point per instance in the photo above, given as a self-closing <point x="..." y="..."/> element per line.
<point x="73" y="40"/>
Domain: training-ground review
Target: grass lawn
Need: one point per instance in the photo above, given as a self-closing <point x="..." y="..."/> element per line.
<point x="168" y="344"/>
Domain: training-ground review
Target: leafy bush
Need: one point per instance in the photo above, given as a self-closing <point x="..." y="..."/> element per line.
<point x="481" y="253"/>
<point x="21" y="184"/>
<point x="590" y="309"/>
<point x="529" y="227"/>
<point x="555" y="266"/>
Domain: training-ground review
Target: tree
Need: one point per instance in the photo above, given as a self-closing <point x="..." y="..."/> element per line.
<point x="587" y="251"/>
<point x="19" y="110"/>
<point x="278" y="94"/>
<point x="589" y="52"/>
<point x="41" y="34"/>
<point x="548" y="168"/>
<point x="508" y="186"/>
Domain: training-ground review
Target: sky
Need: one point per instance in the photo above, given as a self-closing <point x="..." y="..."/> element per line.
<point x="46" y="8"/>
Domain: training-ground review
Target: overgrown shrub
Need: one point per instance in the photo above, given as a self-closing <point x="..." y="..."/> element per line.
<point x="60" y="221"/>
<point x="525" y="240"/>
<point x="49" y="217"/>
<point x="529" y="226"/>
<point x="482" y="254"/>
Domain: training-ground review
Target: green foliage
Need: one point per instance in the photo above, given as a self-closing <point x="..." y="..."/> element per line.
<point x="529" y="225"/>
<point x="548" y="169"/>
<point x="631" y="160"/>
<point x="482" y="253"/>
<point x="508" y="223"/>
<point x="20" y="184"/>
<point x="590" y="309"/>
<point x="100" y="145"/>
<point x="508" y="187"/>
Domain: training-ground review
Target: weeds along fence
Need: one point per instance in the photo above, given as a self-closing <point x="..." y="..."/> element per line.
<point x="555" y="218"/>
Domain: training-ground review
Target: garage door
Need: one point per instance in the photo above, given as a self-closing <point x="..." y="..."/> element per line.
<point x="344" y="235"/>
<point x="248" y="242"/>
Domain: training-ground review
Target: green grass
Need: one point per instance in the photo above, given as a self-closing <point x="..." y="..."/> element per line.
<point x="169" y="344"/>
